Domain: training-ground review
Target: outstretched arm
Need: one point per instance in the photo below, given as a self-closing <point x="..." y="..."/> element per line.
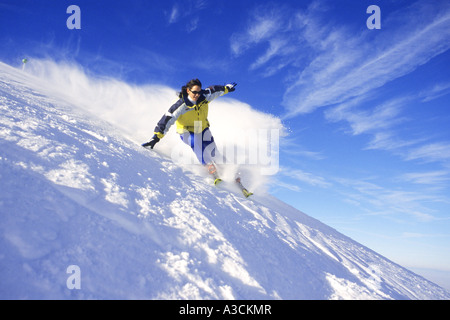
<point x="217" y="91"/>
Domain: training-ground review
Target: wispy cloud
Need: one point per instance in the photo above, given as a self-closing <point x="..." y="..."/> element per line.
<point x="271" y="26"/>
<point x="437" y="91"/>
<point x="305" y="177"/>
<point x="423" y="235"/>
<point x="183" y="11"/>
<point x="382" y="117"/>
<point x="432" y="152"/>
<point x="331" y="63"/>
<point x="427" y="178"/>
<point x="275" y="46"/>
<point x="174" y="14"/>
<point x="382" y="123"/>
<point x="349" y="67"/>
<point x="290" y="146"/>
<point x="192" y="24"/>
<point x="390" y="141"/>
<point x="385" y="124"/>
<point x="399" y="204"/>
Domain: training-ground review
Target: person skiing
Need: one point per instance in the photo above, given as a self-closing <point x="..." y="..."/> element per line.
<point x="190" y="114"/>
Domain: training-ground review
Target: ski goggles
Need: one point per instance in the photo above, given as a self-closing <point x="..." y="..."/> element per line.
<point x="196" y="92"/>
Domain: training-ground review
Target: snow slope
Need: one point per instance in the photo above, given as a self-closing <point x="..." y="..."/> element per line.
<point x="75" y="191"/>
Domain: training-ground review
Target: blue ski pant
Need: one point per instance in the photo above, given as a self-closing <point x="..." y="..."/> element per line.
<point x="202" y="144"/>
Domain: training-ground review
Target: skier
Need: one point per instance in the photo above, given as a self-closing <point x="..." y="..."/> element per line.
<point x="190" y="113"/>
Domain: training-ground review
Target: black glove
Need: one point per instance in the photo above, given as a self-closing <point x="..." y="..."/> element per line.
<point x="231" y="86"/>
<point x="151" y="143"/>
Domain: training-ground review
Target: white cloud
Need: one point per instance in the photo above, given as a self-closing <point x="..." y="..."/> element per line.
<point x="382" y="117"/>
<point x="390" y="202"/>
<point x="192" y="24"/>
<point x="434" y="178"/>
<point x="174" y="14"/>
<point x="305" y="177"/>
<point x="332" y="63"/>
<point x="437" y="91"/>
<point x="241" y="42"/>
<point x="345" y="66"/>
<point x="274" y="48"/>
<point x="267" y="23"/>
<point x="432" y="152"/>
<point x="185" y="10"/>
<point x="384" y="140"/>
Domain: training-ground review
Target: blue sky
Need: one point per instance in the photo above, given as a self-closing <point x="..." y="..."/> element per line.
<point x="366" y="111"/>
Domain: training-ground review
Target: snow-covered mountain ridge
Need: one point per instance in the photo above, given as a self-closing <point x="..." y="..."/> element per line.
<point x="76" y="192"/>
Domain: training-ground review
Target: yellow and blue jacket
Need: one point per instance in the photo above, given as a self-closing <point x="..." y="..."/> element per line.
<point x="187" y="115"/>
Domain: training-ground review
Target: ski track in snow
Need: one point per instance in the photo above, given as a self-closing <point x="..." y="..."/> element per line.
<point x="76" y="192"/>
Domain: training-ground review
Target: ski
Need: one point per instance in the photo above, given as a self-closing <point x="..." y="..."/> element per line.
<point x="245" y="192"/>
<point x="212" y="170"/>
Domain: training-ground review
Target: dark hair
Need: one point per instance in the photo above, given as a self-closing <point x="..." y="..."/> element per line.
<point x="189" y="85"/>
